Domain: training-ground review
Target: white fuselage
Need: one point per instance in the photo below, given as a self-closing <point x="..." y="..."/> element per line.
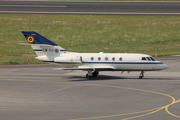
<point x="116" y="61"/>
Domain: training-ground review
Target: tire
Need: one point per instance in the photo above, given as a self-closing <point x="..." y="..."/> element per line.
<point x="86" y="75"/>
<point x="89" y="77"/>
<point x="94" y="75"/>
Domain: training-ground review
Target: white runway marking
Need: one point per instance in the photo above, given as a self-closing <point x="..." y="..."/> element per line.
<point x="92" y="13"/>
<point x="51" y="92"/>
<point x="29" y="6"/>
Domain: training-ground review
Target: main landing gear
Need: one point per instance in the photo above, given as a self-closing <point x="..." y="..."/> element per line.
<point x="94" y="74"/>
<point x="89" y="75"/>
<point x="141" y="76"/>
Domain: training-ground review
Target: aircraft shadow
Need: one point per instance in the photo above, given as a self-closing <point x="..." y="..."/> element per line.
<point x="162" y="78"/>
<point x="106" y="77"/>
<point x="100" y="77"/>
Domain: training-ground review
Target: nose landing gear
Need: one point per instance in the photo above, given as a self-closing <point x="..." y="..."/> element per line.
<point x="141" y="76"/>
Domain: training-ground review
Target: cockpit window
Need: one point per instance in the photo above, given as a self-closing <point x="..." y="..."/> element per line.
<point x="152" y="59"/>
<point x="148" y="58"/>
<point x="143" y="58"/>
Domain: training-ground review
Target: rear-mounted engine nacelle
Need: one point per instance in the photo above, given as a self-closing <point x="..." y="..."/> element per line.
<point x="71" y="59"/>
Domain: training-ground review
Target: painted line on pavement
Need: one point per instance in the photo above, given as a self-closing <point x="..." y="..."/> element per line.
<point x="30" y="6"/>
<point x="142" y="90"/>
<point x="87" y="13"/>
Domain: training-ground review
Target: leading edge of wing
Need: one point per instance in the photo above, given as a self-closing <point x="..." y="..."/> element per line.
<point x="93" y="69"/>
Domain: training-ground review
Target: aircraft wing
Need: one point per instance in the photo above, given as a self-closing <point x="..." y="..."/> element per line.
<point x="100" y="68"/>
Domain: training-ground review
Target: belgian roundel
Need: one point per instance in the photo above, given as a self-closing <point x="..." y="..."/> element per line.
<point x="30" y="39"/>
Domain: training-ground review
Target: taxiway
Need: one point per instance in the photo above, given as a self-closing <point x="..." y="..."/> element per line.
<point x="43" y="92"/>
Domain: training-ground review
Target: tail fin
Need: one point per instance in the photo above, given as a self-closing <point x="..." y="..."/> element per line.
<point x="45" y="49"/>
<point x="35" y="38"/>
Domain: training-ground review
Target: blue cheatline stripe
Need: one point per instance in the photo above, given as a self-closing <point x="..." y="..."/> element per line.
<point x="42" y="50"/>
<point x="107" y="62"/>
<point x="63" y="50"/>
<point x="123" y="62"/>
<point x="38" y="50"/>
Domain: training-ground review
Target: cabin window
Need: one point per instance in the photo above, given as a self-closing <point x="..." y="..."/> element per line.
<point x="120" y="59"/>
<point x="113" y="59"/>
<point x="148" y="59"/>
<point x="143" y="58"/>
<point x="99" y="58"/>
<point x="152" y="59"/>
<point x="92" y="58"/>
<point x="106" y="58"/>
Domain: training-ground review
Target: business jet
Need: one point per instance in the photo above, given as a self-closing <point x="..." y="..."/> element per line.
<point x="93" y="63"/>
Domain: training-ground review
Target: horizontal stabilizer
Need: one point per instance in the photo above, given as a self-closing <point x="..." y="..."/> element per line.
<point x="34" y="44"/>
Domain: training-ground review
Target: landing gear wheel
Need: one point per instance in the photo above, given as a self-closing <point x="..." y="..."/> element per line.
<point x="89" y="77"/>
<point x="141" y="75"/>
<point x="95" y="74"/>
<point x="86" y="75"/>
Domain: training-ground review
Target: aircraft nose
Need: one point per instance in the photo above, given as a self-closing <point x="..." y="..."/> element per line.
<point x="164" y="66"/>
<point x="161" y="66"/>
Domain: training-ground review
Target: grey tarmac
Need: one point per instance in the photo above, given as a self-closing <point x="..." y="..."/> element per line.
<point x="42" y="92"/>
<point x="164" y="8"/>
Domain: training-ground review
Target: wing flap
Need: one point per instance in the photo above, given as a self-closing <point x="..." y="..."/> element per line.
<point x="77" y="69"/>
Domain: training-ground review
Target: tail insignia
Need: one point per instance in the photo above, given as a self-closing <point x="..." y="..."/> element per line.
<point x="30" y="39"/>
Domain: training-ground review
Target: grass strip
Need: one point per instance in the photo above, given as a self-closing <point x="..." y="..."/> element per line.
<point x="88" y="33"/>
